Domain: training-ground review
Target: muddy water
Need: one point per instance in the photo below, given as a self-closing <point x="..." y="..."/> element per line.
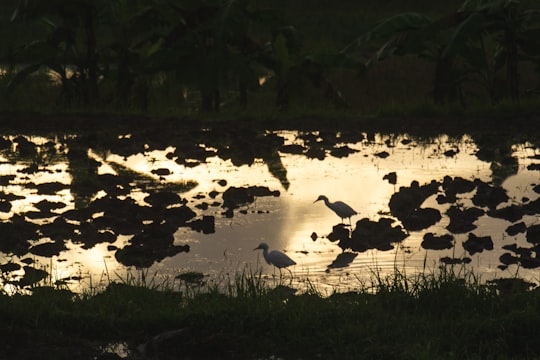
<point x="287" y="222"/>
<point x="294" y="168"/>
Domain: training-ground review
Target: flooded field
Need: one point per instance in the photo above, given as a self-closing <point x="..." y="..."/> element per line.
<point x="87" y="210"/>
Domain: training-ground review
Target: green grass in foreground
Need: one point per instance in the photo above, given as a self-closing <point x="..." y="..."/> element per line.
<point x="426" y="316"/>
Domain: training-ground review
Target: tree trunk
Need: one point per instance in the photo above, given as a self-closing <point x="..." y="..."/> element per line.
<point x="91" y="78"/>
<point x="512" y="73"/>
<point x="444" y="86"/>
<point x="125" y="80"/>
<point x="210" y="100"/>
<point x="243" y="96"/>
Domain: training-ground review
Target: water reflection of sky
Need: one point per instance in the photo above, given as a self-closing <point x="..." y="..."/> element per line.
<point x="288" y="221"/>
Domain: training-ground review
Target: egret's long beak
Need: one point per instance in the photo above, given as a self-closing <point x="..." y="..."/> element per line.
<point x="257" y="248"/>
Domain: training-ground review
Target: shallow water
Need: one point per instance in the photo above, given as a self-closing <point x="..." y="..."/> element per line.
<point x="351" y="169"/>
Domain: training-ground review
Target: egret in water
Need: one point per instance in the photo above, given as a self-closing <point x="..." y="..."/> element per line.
<point x="276" y="258"/>
<point x="341" y="209"/>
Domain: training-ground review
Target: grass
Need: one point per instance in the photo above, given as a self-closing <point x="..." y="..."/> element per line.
<point x="447" y="314"/>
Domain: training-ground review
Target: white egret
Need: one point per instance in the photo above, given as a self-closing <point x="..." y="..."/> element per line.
<point x="341" y="209"/>
<point x="276" y="258"/>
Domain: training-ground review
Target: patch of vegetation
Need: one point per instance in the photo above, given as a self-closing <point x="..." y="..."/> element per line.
<point x="248" y="58"/>
<point x="445" y="315"/>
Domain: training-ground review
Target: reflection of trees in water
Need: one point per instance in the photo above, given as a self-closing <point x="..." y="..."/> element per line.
<point x="103" y="208"/>
<point x="487" y="200"/>
<point x="497" y="151"/>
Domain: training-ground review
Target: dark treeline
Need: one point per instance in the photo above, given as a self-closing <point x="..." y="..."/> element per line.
<point x="117" y="53"/>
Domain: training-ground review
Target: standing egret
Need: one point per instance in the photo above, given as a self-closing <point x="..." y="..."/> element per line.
<point x="276" y="258"/>
<point x="339" y="207"/>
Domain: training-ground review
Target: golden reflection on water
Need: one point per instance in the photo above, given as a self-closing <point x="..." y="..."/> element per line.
<point x="293" y="217"/>
<point x="287" y="222"/>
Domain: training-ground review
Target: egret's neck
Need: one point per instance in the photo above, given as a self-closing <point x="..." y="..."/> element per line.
<point x="265" y="255"/>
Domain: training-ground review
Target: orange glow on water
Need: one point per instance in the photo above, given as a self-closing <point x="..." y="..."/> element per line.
<point x="287" y="222"/>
